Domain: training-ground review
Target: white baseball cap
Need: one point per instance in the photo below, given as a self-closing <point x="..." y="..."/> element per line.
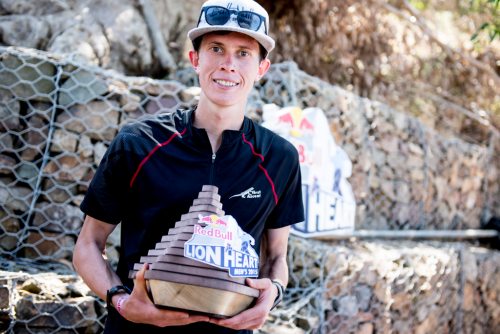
<point x="237" y="16"/>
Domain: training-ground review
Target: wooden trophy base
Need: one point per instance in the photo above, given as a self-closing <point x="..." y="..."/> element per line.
<point x="200" y="300"/>
<point x="202" y="295"/>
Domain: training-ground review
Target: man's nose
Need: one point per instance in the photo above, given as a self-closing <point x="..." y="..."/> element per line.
<point x="228" y="63"/>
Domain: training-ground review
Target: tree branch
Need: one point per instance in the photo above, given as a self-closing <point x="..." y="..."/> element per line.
<point x="464" y="111"/>
<point x="430" y="94"/>
<point x="166" y="59"/>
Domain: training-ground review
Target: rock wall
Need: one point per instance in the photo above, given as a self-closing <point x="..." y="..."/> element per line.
<point x="59" y="116"/>
<point x="405" y="176"/>
<point x="352" y="287"/>
<point x="111" y="34"/>
<point x="389" y="287"/>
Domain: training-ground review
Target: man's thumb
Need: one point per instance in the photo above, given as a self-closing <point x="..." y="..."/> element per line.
<point x="260" y="284"/>
<point x="140" y="281"/>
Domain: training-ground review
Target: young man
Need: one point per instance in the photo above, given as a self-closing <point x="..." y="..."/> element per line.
<point x="154" y="169"/>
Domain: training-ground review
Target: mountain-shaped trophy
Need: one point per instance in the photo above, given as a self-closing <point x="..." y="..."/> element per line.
<point x="201" y="265"/>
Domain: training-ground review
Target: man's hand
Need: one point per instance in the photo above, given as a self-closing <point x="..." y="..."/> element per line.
<point x="256" y="316"/>
<point x="139" y="308"/>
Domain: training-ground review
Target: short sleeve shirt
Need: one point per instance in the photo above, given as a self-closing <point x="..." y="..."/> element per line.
<point x="155" y="168"/>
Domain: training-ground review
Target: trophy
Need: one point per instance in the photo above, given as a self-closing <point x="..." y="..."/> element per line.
<point x="201" y="265"/>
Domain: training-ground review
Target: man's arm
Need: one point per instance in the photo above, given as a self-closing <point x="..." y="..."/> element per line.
<point x="88" y="257"/>
<point x="274" y="268"/>
<point x="274" y="246"/>
<point x="98" y="274"/>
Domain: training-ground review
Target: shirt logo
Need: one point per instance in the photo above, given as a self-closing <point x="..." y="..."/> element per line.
<point x="249" y="193"/>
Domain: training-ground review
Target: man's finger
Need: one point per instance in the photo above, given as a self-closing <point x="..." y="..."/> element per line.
<point x="194" y="318"/>
<point x="252" y="324"/>
<point x="261" y="284"/>
<point x="173" y="315"/>
<point x="141" y="289"/>
<point x="183" y="322"/>
<point x="258" y="311"/>
<point x="245" y="316"/>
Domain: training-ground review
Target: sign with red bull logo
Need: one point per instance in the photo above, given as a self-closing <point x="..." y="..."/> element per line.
<point x="223" y="244"/>
<point x="328" y="198"/>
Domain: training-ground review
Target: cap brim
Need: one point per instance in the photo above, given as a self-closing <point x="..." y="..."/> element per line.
<point x="266" y="41"/>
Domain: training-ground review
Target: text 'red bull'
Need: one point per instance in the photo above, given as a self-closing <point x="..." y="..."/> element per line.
<point x="213" y="232"/>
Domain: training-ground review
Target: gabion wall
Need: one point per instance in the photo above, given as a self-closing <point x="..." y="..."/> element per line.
<point x="350" y="287"/>
<point x="389" y="287"/>
<point x="57" y="118"/>
<point x="405" y="176"/>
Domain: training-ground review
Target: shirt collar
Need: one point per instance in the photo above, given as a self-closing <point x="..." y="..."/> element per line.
<point x="228" y="136"/>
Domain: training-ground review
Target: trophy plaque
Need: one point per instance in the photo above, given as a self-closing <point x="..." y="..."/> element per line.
<point x="201" y="265"/>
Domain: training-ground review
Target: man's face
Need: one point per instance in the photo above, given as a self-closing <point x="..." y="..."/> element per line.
<point x="228" y="66"/>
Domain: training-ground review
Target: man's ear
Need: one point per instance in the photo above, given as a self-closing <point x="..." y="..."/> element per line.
<point x="195" y="60"/>
<point x="263" y="67"/>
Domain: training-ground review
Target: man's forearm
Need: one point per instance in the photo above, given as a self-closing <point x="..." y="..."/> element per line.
<point x="275" y="269"/>
<point x="273" y="254"/>
<point x="95" y="271"/>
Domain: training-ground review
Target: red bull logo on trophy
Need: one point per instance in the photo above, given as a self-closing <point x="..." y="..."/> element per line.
<point x="222" y="243"/>
<point x="212" y="220"/>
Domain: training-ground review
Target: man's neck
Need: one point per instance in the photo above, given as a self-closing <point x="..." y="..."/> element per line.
<point x="215" y="119"/>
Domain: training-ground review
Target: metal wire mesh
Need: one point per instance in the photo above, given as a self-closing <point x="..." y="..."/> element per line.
<point x="57" y="118"/>
<point x="388" y="287"/>
<point x="346" y="287"/>
<point x="48" y="302"/>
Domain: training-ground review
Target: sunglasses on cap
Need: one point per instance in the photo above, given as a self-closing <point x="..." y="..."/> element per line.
<point x="218" y="16"/>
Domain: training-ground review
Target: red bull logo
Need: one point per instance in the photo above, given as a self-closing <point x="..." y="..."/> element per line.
<point x="297" y="121"/>
<point x="212" y="220"/>
<point x="206" y="220"/>
<point x="221" y="222"/>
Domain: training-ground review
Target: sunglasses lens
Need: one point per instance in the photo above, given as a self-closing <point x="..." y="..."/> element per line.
<point x="249" y="20"/>
<point x="217" y="16"/>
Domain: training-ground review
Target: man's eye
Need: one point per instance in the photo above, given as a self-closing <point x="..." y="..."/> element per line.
<point x="215" y="49"/>
<point x="244" y="53"/>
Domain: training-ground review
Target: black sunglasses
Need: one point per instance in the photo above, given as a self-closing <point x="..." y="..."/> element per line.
<point x="218" y="16"/>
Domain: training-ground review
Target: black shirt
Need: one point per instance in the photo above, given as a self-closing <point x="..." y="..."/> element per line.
<point x="155" y="168"/>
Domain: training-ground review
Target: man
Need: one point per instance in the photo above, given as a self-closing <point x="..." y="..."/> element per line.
<point x="154" y="169"/>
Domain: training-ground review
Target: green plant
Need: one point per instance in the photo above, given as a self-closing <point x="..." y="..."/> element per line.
<point x="492" y="27"/>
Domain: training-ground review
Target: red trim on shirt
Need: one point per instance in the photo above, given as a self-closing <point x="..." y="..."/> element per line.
<point x="265" y="171"/>
<point x="257" y="154"/>
<point x="272" y="184"/>
<point x="151" y="153"/>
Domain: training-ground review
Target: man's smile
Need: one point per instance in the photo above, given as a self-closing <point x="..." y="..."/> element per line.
<point x="226" y="83"/>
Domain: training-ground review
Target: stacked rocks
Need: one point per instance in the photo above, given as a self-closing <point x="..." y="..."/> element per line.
<point x="53" y="169"/>
<point x="178" y="282"/>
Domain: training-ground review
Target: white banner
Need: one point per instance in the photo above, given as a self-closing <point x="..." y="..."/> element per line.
<point x="328" y="198"/>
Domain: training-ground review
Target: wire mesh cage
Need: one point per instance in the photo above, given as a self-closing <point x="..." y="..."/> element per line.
<point x="57" y="118"/>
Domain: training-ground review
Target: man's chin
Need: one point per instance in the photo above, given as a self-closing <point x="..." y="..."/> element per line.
<point x="225" y="102"/>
